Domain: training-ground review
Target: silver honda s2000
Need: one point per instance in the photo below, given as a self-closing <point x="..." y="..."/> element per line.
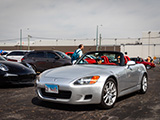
<point x="98" y="77"/>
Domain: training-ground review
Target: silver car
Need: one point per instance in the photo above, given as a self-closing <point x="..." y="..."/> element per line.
<point x="98" y="77"/>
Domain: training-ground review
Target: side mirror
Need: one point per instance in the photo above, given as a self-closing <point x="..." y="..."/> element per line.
<point x="129" y="63"/>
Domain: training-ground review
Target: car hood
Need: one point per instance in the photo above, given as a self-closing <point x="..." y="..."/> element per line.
<point x="17" y="68"/>
<point x="77" y="71"/>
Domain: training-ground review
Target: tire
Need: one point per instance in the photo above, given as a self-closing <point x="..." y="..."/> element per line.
<point x="148" y="67"/>
<point x="144" y="84"/>
<point x="109" y="94"/>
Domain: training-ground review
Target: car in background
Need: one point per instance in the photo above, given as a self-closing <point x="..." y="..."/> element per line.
<point x="41" y="60"/>
<point x="139" y="60"/>
<point x="92" y="83"/>
<point x="157" y="60"/>
<point x="69" y="54"/>
<point x="15" y="73"/>
<point x="16" y="55"/>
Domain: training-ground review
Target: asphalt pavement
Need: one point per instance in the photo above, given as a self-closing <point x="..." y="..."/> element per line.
<point x="21" y="103"/>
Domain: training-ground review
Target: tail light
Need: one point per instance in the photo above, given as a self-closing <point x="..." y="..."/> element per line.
<point x="12" y="60"/>
<point x="22" y="59"/>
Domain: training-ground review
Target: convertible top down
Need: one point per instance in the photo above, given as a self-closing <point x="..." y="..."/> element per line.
<point x="91" y="82"/>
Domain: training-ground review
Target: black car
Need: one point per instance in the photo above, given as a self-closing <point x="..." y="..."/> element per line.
<point x="15" y="73"/>
<point x="41" y="60"/>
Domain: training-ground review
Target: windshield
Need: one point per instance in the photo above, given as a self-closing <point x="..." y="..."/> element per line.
<point x="63" y="55"/>
<point x="103" y="58"/>
<point x="2" y="59"/>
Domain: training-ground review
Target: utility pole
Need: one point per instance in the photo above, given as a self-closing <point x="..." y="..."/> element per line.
<point x="149" y="43"/>
<point x="115" y="44"/>
<point x="100" y="39"/>
<point x="20" y="39"/>
<point x="29" y="41"/>
<point x="97" y="38"/>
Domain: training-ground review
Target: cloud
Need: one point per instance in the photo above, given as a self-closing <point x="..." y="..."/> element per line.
<point x="78" y="18"/>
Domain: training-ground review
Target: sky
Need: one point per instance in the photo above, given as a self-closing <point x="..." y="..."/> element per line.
<point x="73" y="19"/>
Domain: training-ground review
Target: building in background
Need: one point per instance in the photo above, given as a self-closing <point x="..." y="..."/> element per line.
<point x="147" y="45"/>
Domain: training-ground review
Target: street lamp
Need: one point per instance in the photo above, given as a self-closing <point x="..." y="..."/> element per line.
<point x="149" y="43"/>
<point x="97" y="38"/>
<point x="29" y="41"/>
<point x="115" y="44"/>
<point x="20" y="39"/>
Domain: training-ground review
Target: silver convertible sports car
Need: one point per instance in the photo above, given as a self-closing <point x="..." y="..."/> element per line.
<point x="98" y="77"/>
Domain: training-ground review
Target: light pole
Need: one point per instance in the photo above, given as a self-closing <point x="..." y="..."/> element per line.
<point x="29" y="41"/>
<point x="100" y="39"/>
<point x="97" y="38"/>
<point x="149" y="43"/>
<point x="20" y="39"/>
<point x="115" y="44"/>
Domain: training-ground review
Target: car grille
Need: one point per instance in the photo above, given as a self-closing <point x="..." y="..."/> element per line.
<point x="61" y="94"/>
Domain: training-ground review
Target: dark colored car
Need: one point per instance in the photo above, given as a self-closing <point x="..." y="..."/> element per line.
<point x="148" y="65"/>
<point x="15" y="73"/>
<point x="41" y="60"/>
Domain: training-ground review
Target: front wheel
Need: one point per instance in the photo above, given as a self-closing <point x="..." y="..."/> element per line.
<point x="144" y="84"/>
<point x="109" y="94"/>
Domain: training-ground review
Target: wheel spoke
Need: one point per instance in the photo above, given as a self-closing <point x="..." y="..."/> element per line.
<point x="109" y="96"/>
<point x="144" y="84"/>
<point x="110" y="101"/>
<point x="105" y="100"/>
<point x="111" y="86"/>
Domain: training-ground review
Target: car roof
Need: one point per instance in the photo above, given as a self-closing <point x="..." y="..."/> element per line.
<point x="46" y="50"/>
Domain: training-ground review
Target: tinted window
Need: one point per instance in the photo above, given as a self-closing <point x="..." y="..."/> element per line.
<point x="31" y="54"/>
<point x="63" y="55"/>
<point x="51" y="55"/>
<point x="39" y="54"/>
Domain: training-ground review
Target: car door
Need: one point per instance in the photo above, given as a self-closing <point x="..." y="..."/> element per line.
<point x="132" y="73"/>
<point x="129" y="77"/>
<point x="40" y="60"/>
<point x="53" y="60"/>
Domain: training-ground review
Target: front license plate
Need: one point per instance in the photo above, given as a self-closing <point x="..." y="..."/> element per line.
<point x="51" y="88"/>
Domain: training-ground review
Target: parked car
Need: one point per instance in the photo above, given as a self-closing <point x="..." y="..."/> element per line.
<point x="87" y="83"/>
<point x="15" y="73"/>
<point x="69" y="53"/>
<point x="16" y="55"/>
<point x="157" y="60"/>
<point x="148" y="65"/>
<point x="42" y="60"/>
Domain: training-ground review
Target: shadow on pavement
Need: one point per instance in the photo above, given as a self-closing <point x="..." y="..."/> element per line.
<point x="68" y="107"/>
<point x="7" y="86"/>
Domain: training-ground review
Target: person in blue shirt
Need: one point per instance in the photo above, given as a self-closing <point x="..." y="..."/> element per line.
<point x="77" y="54"/>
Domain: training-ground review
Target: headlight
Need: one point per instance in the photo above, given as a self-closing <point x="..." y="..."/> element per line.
<point x="86" y="80"/>
<point x="3" y="67"/>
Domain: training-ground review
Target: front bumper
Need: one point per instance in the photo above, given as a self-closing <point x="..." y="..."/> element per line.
<point x="17" y="79"/>
<point x="71" y="94"/>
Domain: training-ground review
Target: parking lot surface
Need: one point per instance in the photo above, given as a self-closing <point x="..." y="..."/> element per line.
<point x="21" y="103"/>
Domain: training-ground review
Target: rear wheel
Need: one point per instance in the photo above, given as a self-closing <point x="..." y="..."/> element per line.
<point x="109" y="94"/>
<point x="144" y="84"/>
